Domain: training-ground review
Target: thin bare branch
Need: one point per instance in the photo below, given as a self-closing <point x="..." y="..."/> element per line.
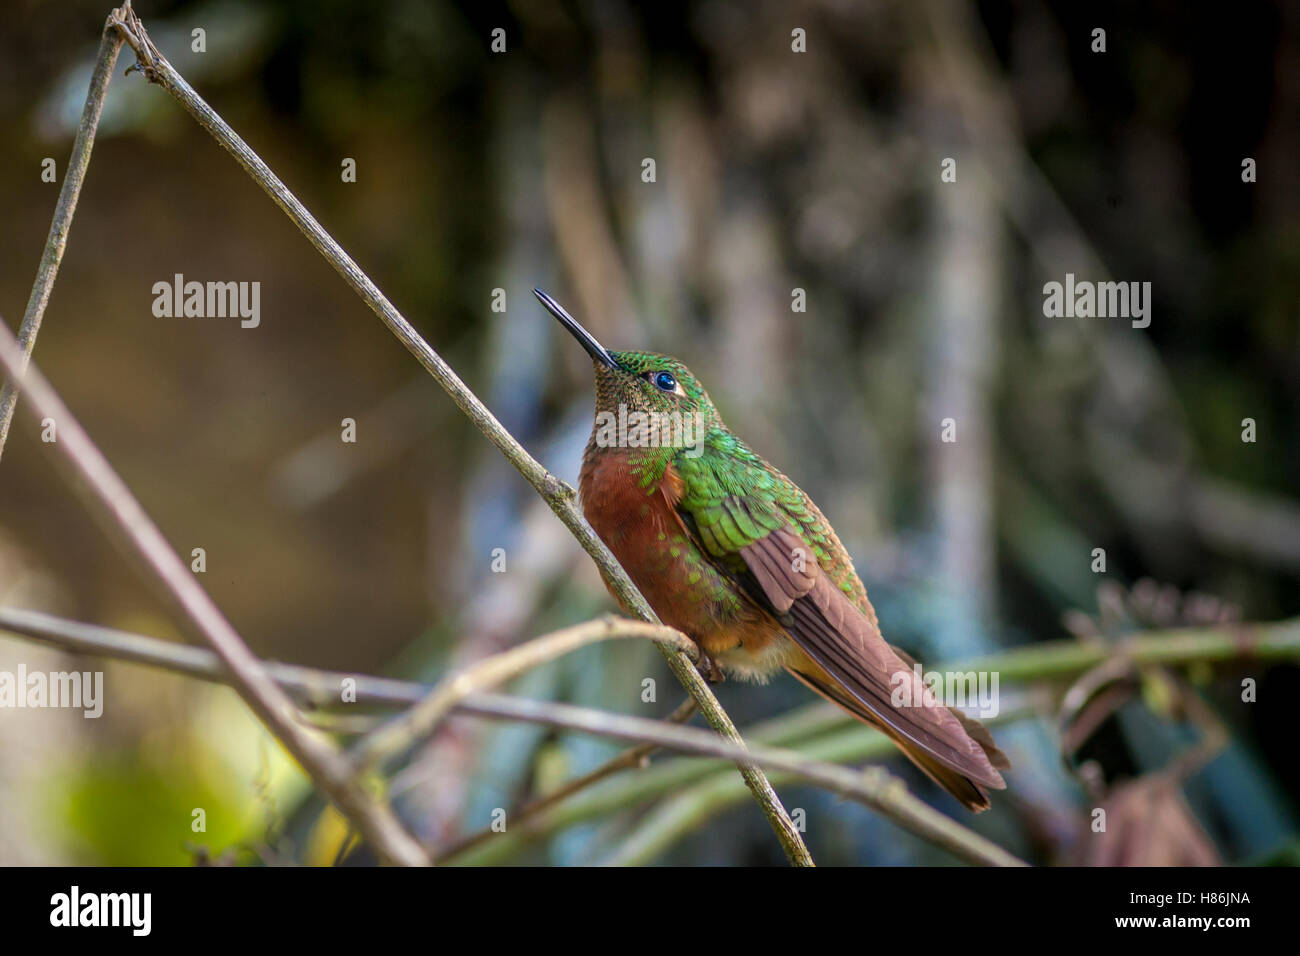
<point x="110" y="42"/>
<point x="1046" y="661"/>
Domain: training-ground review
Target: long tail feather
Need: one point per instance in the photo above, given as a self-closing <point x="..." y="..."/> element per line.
<point x="970" y="794"/>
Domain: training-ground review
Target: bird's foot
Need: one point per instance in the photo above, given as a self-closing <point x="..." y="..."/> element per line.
<point x="709" y="668"/>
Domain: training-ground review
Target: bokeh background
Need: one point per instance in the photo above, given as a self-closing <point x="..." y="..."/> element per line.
<point x="775" y="170"/>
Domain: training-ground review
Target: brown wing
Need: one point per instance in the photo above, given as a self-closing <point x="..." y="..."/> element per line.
<point x="865" y="669"/>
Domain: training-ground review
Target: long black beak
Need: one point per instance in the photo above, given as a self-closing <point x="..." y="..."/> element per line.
<point x="588" y="341"/>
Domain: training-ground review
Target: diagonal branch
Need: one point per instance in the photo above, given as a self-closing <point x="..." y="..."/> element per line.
<point x="109" y="499"/>
<point x="558" y="495"/>
<point x="109" y="45"/>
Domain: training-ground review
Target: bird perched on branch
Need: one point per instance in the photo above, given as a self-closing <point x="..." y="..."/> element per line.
<point x="732" y="553"/>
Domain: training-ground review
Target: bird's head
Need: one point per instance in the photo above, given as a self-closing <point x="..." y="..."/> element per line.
<point x="648" y="383"/>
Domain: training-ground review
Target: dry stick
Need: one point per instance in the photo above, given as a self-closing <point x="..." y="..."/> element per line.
<point x="633" y="758"/>
<point x="110" y="42"/>
<point x="873" y="786"/>
<point x="317" y="688"/>
<point x="107" y="497"/>
<point x="422" y="719"/>
<point x="556" y="493"/>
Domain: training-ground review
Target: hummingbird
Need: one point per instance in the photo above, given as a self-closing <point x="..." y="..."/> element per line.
<point x="732" y="553"/>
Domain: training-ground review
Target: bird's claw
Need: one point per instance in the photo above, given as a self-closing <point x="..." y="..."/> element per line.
<point x="709" y="669"/>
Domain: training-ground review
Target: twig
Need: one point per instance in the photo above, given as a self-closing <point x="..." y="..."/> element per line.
<point x="421" y="720"/>
<point x="873" y="786"/>
<point x="633" y="757"/>
<point x="558" y="495"/>
<point x="108" y="498"/>
<point x="1050" y="660"/>
<point x="110" y="42"/>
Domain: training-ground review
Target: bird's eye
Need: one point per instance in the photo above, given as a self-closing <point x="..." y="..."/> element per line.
<point x="664" y="381"/>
